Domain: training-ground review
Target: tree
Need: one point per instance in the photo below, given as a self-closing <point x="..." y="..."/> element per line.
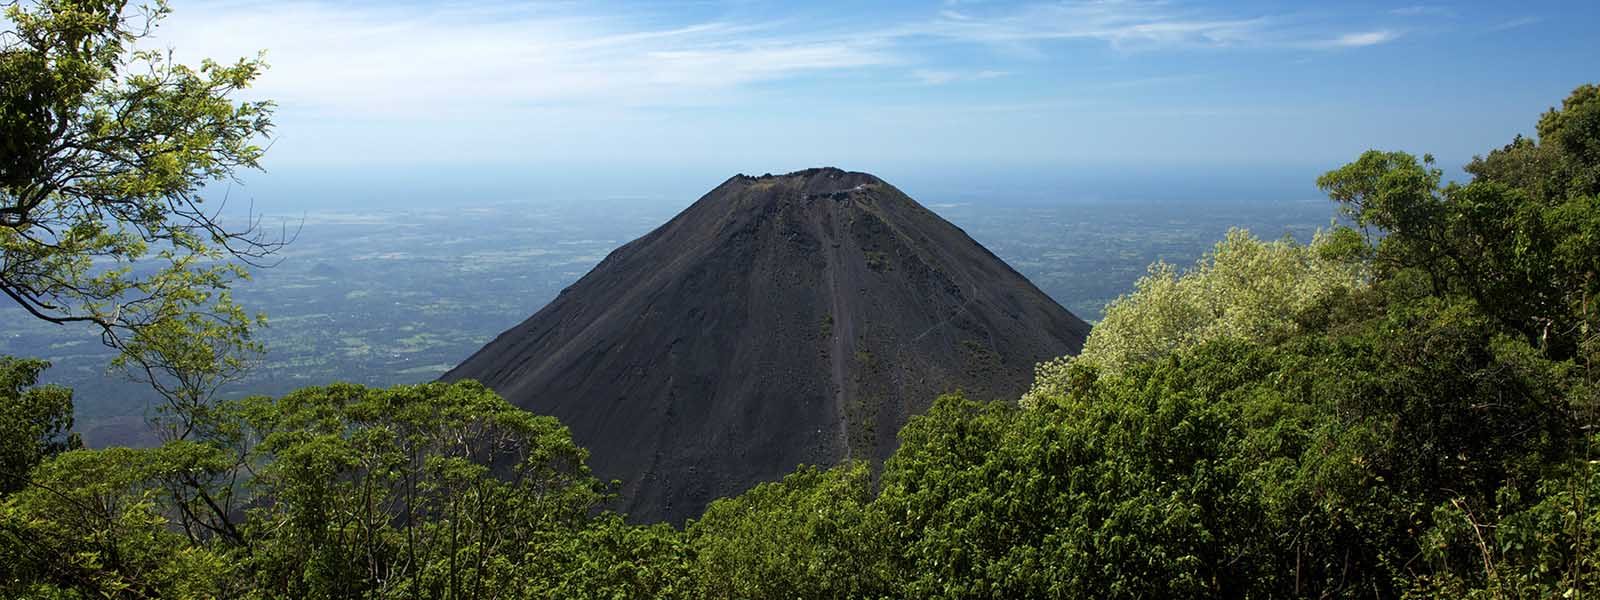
<point x="35" y="422"/>
<point x="808" y="536"/>
<point x="1521" y="239"/>
<point x="94" y="524"/>
<point x="424" y="491"/>
<point x="1245" y="289"/>
<point x="442" y="490"/>
<point x="105" y="153"/>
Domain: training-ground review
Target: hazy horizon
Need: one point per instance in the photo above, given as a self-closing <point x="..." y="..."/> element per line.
<point x="418" y="102"/>
<point x="297" y="191"/>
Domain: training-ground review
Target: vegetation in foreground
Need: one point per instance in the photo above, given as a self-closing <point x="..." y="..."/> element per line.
<point x="1406" y="407"/>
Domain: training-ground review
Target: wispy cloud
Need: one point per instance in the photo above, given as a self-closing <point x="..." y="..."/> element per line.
<point x="1422" y="10"/>
<point x="1515" y="23"/>
<point x="1144" y="25"/>
<point x="417" y="59"/>
<point x="478" y="57"/>
<point x="1156" y="81"/>
<point x="1122" y="24"/>
<point x="1362" y="39"/>
<point x="941" y="76"/>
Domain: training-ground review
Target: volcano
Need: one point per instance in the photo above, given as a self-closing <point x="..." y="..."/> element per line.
<point x="779" y="320"/>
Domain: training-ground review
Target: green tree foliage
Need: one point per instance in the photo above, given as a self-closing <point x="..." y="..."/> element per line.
<point x="1538" y="545"/>
<point x="1521" y="240"/>
<point x="105" y="150"/>
<point x="1234" y="468"/>
<point x="430" y="491"/>
<point x="1244" y="289"/>
<point x="609" y="558"/>
<point x="35" y="421"/>
<point x="96" y="524"/>
<point x="388" y="490"/>
<point x="809" y="536"/>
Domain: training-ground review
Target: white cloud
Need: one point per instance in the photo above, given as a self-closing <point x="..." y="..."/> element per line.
<point x="941" y="77"/>
<point x="1144" y="25"/>
<point x="486" y="57"/>
<point x="1422" y="10"/>
<point x="1516" y="23"/>
<point x="470" y="81"/>
<point x="1363" y="38"/>
<point x="1120" y="23"/>
<point x="414" y="60"/>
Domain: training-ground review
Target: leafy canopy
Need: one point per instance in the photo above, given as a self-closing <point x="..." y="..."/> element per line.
<point x="105" y="153"/>
<point x="1244" y="289"/>
<point x="35" y="421"/>
<point x="433" y="491"/>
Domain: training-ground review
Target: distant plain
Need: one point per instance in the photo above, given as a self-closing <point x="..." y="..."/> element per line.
<point x="388" y="296"/>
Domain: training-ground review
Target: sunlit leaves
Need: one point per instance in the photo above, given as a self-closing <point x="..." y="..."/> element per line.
<point x="1244" y="289"/>
<point x="103" y="215"/>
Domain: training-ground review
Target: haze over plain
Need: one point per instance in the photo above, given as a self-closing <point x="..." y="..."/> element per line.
<point x="429" y="102"/>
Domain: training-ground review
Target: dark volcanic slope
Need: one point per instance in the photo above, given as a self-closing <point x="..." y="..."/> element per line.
<point x="779" y="320"/>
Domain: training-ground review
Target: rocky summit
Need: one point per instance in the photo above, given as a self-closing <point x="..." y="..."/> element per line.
<point x="779" y="320"/>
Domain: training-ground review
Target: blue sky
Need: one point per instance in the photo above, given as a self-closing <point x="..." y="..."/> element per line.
<point x="726" y="86"/>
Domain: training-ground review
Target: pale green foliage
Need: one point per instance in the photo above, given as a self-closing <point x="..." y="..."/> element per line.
<point x="1050" y="380"/>
<point x="105" y="155"/>
<point x="1245" y="288"/>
